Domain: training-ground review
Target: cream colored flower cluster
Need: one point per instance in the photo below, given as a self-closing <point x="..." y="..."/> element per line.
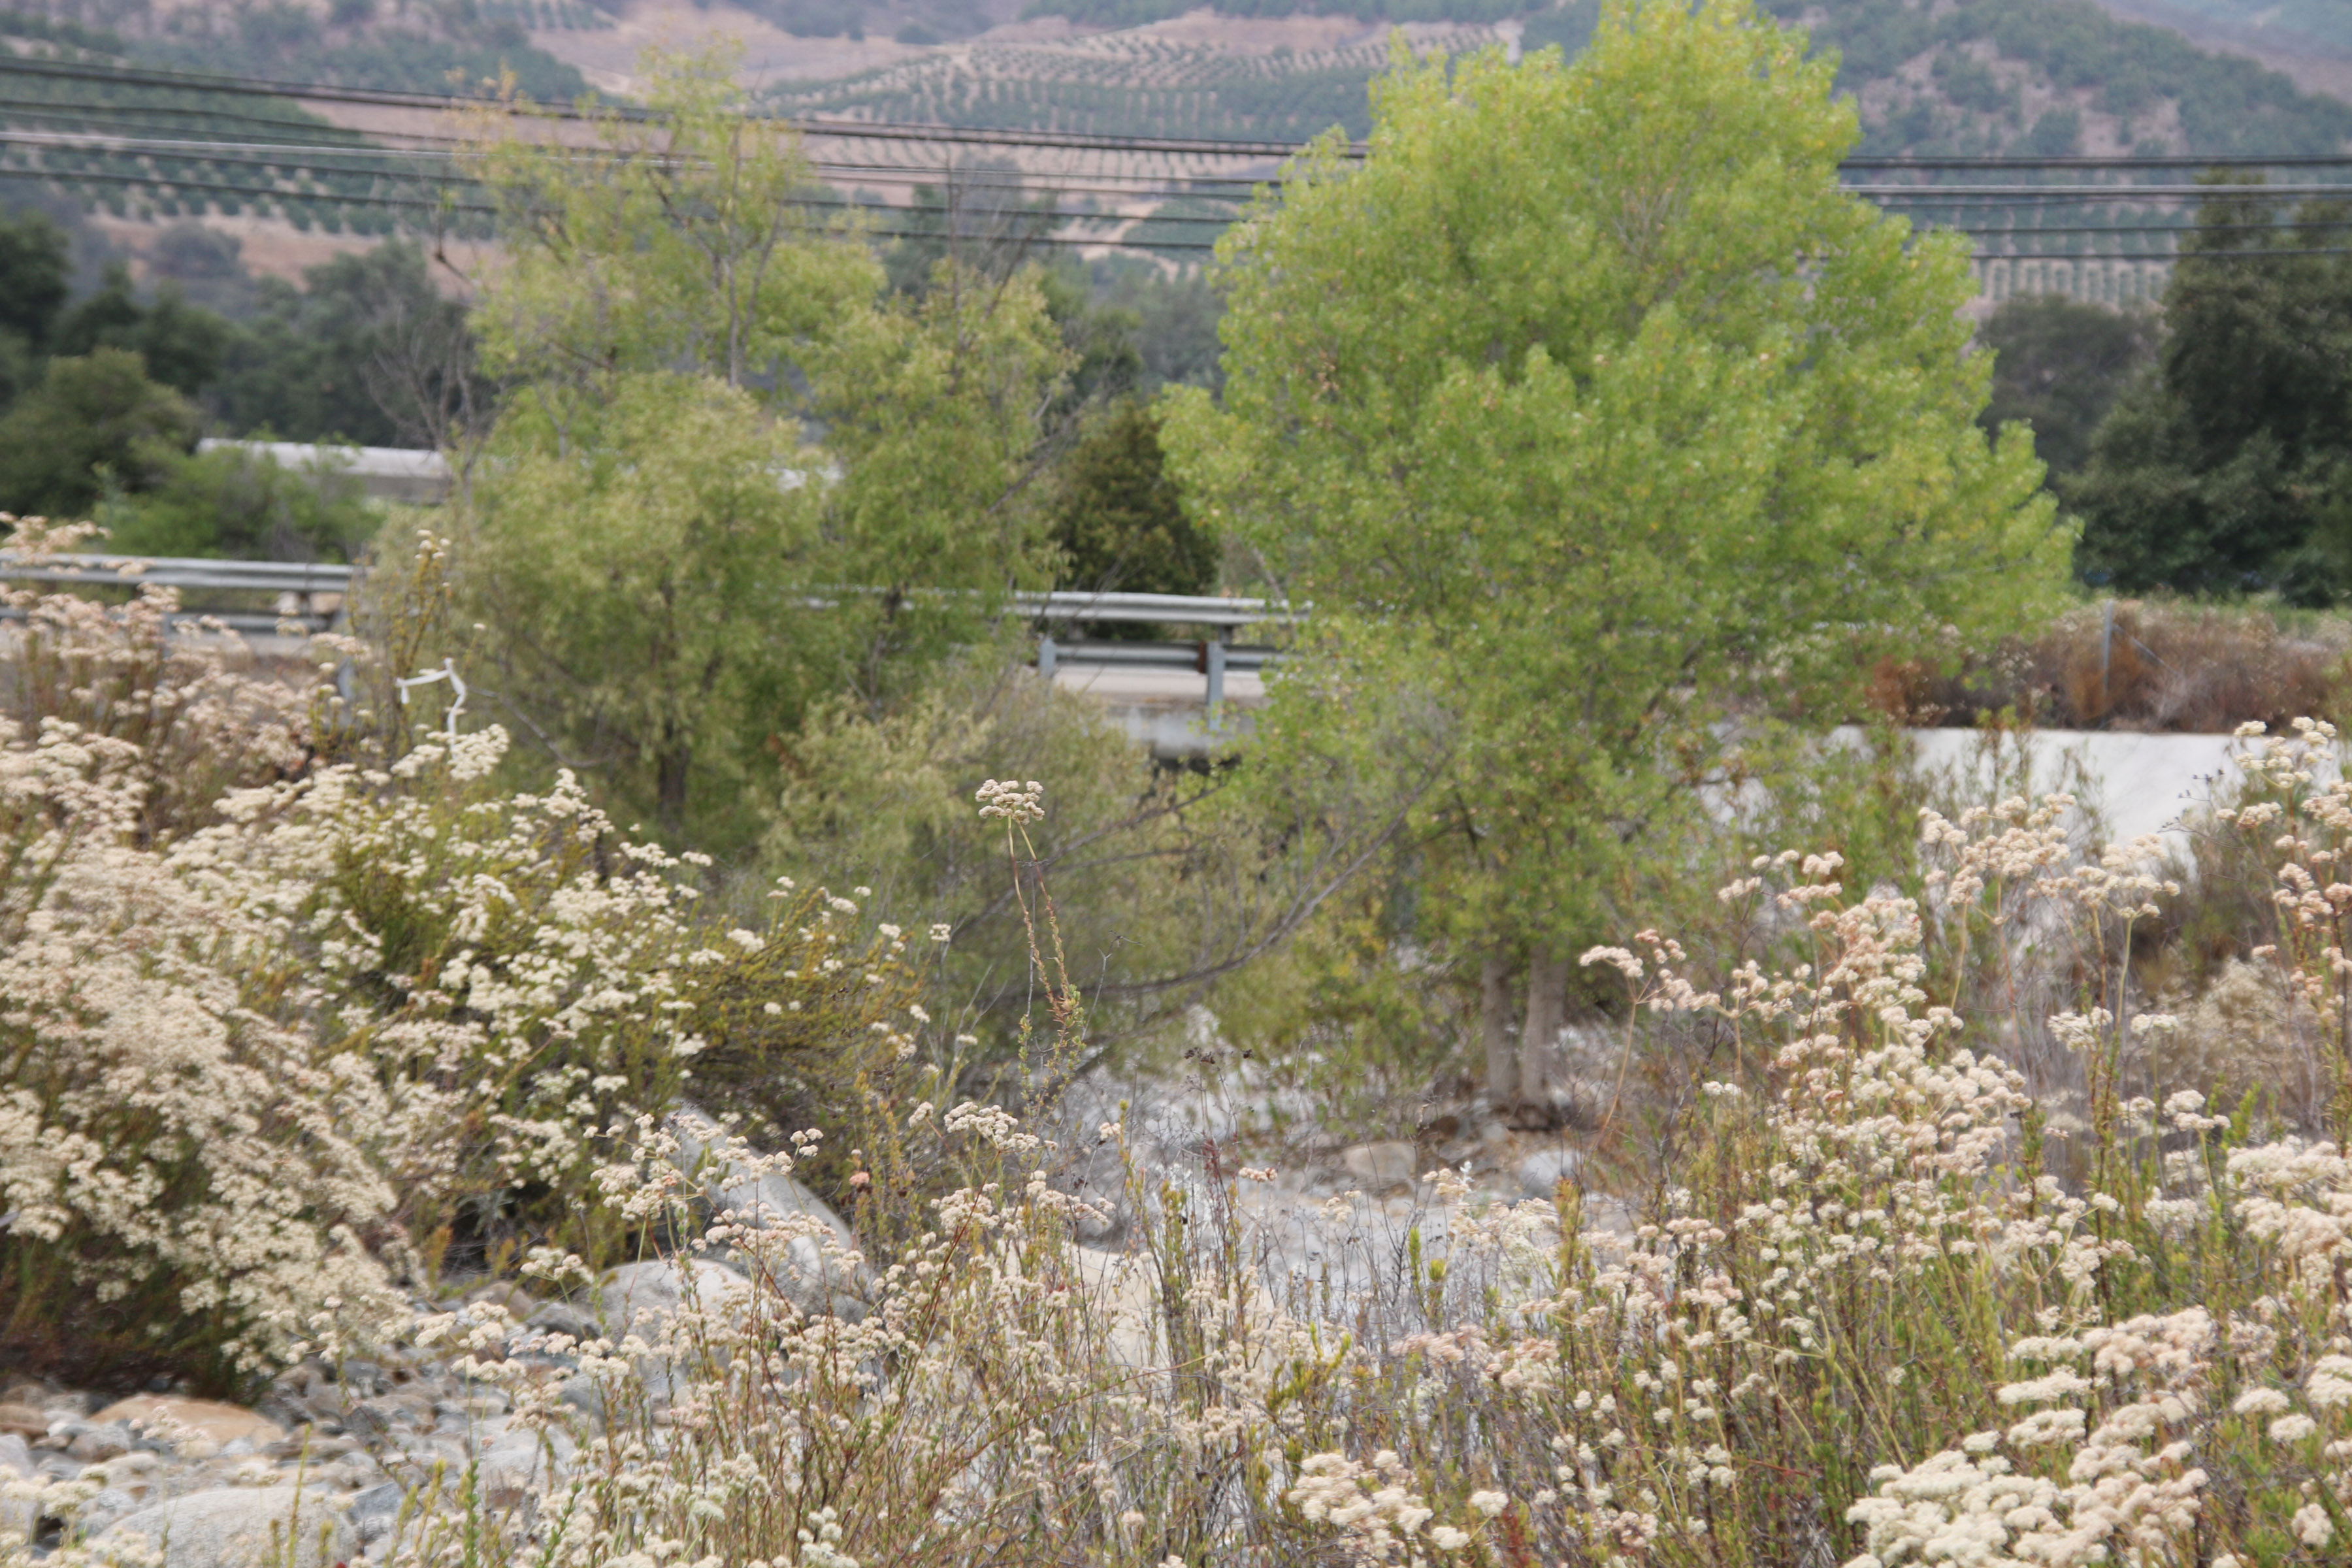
<point x="165" y="1123"/>
<point x="258" y="1055"/>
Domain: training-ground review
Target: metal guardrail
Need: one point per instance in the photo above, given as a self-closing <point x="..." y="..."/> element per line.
<point x="178" y="571"/>
<point x="297" y="585"/>
<point x="1176" y="609"/>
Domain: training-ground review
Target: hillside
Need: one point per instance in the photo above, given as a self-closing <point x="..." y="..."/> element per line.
<point x="2053" y="77"/>
<point x="2030" y="78"/>
<point x="2268" y="26"/>
<point x="59" y="95"/>
<point x="416" y="45"/>
<point x="1982" y="76"/>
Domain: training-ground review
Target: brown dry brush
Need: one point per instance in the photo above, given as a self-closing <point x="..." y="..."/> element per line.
<point x="2139" y="664"/>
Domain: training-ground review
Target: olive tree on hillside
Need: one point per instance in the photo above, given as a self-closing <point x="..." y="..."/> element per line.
<point x="1588" y="406"/>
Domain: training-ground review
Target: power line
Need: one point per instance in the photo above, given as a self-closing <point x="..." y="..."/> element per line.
<point x="889" y="131"/>
<point x="221" y="152"/>
<point x="54" y="109"/>
<point x="2168" y="260"/>
<point x="854" y="129"/>
<point x="263" y="194"/>
<point x="2124" y="161"/>
<point x="298" y="159"/>
<point x="2096" y="192"/>
<point x="259" y="193"/>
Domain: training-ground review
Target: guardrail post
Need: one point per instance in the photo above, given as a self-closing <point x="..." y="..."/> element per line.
<point x="1048" y="655"/>
<point x="1216" y="662"/>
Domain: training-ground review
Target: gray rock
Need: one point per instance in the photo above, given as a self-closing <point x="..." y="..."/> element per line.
<point x="375" y="1511"/>
<point x="558" y="1318"/>
<point x="108" y="1506"/>
<point x="366" y="1420"/>
<point x="17" y="1515"/>
<point x="519" y="1464"/>
<point x="242" y="1527"/>
<point x="93" y="1444"/>
<point x="1542" y="1171"/>
<point x="817" y="1272"/>
<point x="645" y="1300"/>
<point x="1380" y="1166"/>
<point x="505" y="1295"/>
<point x="640" y="1299"/>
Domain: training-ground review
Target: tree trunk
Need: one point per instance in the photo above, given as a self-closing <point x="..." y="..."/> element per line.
<point x="1541" y="1066"/>
<point x="669" y="783"/>
<point x="1495" y="1028"/>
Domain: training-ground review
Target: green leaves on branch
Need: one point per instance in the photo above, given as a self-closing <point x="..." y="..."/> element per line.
<point x="736" y="475"/>
<point x="1591" y="406"/>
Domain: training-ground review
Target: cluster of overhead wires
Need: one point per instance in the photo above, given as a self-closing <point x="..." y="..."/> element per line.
<point x="168" y="139"/>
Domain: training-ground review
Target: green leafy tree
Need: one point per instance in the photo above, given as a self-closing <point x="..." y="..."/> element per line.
<point x="736" y="471"/>
<point x="35" y="272"/>
<point x="2059" y="367"/>
<point x="1118" y="516"/>
<point x="1588" y="411"/>
<point x="182" y="344"/>
<point x="93" y="421"/>
<point x="2230" y="468"/>
<point x="365" y="351"/>
<point x="641" y="581"/>
<point x="240" y="505"/>
<point x="36" y="276"/>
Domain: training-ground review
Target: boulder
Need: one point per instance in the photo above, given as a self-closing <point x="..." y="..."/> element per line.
<point x="242" y="1527"/>
<point x="18" y="1515"/>
<point x="818" y="1271"/>
<point x="1124" y="1288"/>
<point x="24" y="1421"/>
<point x="1541" y="1172"/>
<point x="642" y="1300"/>
<point x="1380" y="1166"/>
<point x="505" y="1295"/>
<point x="168" y="1415"/>
<point x="639" y="1298"/>
<point x="94" y="1444"/>
<point x="519" y="1464"/>
<point x="376" y="1510"/>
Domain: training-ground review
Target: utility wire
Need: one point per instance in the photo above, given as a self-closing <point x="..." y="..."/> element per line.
<point x="1068" y="140"/>
<point x="2124" y="161"/>
<point x="2096" y="192"/>
<point x="261" y="194"/>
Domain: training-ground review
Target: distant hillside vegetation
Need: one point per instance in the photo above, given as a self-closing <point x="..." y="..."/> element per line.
<point x="424" y="46"/>
<point x="1977" y="76"/>
<point x="1113" y="84"/>
<point x="50" y="100"/>
<point x="2052" y="76"/>
<point x="2285" y="22"/>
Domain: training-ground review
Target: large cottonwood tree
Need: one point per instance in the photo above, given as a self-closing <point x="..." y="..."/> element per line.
<point x="1589" y="405"/>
